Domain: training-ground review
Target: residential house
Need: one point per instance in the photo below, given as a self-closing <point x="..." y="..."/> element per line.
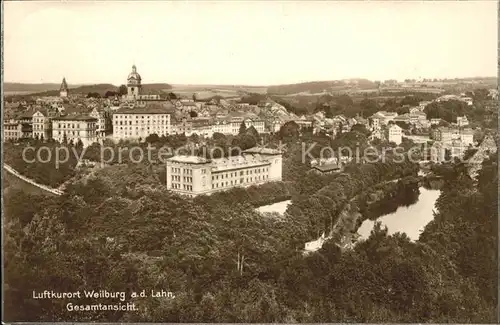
<point x="104" y="122"/>
<point x="42" y="125"/>
<point x="394" y="133"/>
<point x="462" y="121"/>
<point x="75" y="128"/>
<point x="467" y="136"/>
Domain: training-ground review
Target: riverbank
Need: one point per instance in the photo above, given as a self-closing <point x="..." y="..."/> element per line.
<point x="409" y="219"/>
<point x="381" y="199"/>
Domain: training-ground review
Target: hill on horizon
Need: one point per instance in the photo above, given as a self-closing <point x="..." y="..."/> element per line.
<point x="315" y="87"/>
<point x="52" y="89"/>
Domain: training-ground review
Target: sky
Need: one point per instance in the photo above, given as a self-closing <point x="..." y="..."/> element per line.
<point x="247" y="42"/>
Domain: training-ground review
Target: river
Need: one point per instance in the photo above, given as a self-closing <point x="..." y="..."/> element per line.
<point x="410" y="220"/>
<point x="279" y="207"/>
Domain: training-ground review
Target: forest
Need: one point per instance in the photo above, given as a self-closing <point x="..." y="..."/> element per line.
<point x="119" y="229"/>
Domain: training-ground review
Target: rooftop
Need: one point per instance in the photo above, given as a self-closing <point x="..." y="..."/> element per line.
<point x="189" y="159"/>
<point x="328" y="167"/>
<point x="75" y="118"/>
<point x="143" y="110"/>
<point x="263" y="151"/>
<point x="235" y="162"/>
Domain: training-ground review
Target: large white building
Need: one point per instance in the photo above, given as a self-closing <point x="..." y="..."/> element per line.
<point x="191" y="175"/>
<point x="75" y="128"/>
<point x="140" y="123"/>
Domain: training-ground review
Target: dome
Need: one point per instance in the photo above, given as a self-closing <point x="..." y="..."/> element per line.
<point x="134" y="75"/>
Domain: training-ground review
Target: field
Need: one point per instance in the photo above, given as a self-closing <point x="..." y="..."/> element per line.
<point x="209" y="91"/>
<point x="14" y="92"/>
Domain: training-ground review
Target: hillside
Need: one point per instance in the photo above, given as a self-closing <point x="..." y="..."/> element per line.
<point x="315" y="87"/>
<point x="98" y="88"/>
<point x="22" y="87"/>
<point x="53" y="89"/>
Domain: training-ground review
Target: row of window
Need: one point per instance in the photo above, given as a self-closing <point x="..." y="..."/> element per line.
<point x="137" y="117"/>
<point x="142" y="122"/>
<point x="138" y="134"/>
<point x="184" y="187"/>
<point x="72" y="125"/>
<point x="184" y="170"/>
<point x="241" y="181"/>
<point x="241" y="173"/>
<point x="186" y="179"/>
<point x="142" y="129"/>
<point x="84" y="133"/>
<point x="10" y="127"/>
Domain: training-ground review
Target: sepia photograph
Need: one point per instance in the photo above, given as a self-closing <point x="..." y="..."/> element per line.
<point x="250" y="162"/>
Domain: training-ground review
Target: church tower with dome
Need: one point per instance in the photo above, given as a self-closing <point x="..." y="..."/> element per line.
<point x="133" y="84"/>
<point x="63" y="91"/>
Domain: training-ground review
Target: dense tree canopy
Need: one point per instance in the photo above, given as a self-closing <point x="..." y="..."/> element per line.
<point x="118" y="228"/>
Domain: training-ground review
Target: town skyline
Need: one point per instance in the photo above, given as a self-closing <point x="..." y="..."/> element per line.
<point x="289" y="43"/>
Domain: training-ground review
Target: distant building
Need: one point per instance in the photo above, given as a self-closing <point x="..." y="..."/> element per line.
<point x="140" y="123"/>
<point x="436" y="121"/>
<point x="327" y="169"/>
<point x="462" y="121"/>
<point x="437" y="152"/>
<point x="201" y="127"/>
<point x="63" y="91"/>
<point x="394" y="134"/>
<point x="443" y="134"/>
<point x="134" y="85"/>
<point x="191" y="175"/>
<point x="182" y="126"/>
<point x="42" y="125"/>
<point x="466" y="136"/>
<point x="75" y="128"/>
<point x="462" y="98"/>
<point x="231" y="124"/>
<point x="382" y="118"/>
<point x="103" y="121"/>
<point x="493" y="93"/>
<point x="15" y="130"/>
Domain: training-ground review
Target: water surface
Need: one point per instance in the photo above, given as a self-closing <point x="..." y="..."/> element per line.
<point x="410" y="220"/>
<point x="279" y="207"/>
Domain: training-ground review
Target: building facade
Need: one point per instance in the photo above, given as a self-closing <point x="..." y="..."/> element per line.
<point x="103" y="118"/>
<point x="394" y="134"/>
<point x="15" y="130"/>
<point x="42" y="125"/>
<point x="462" y="121"/>
<point x="190" y="175"/>
<point x="467" y="136"/>
<point x="75" y="128"/>
<point x="140" y="123"/>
